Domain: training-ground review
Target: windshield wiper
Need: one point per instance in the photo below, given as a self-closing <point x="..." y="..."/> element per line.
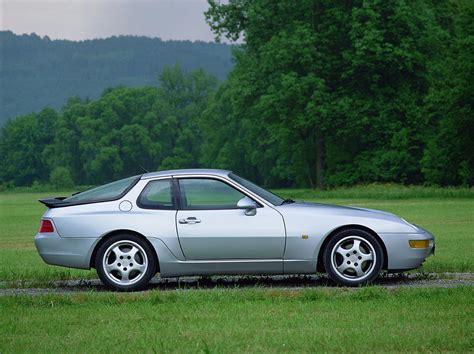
<point x="287" y="201"/>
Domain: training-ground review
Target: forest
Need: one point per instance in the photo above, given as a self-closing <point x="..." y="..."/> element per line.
<point x="322" y="94"/>
<point x="36" y="72"/>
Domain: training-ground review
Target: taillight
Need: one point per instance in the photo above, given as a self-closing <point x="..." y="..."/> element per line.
<point x="46" y="226"/>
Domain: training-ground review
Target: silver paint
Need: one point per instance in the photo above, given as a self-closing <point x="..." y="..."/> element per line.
<point x="224" y="241"/>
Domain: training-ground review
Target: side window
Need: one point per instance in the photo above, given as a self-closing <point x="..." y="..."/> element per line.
<point x="200" y="193"/>
<point x="156" y="195"/>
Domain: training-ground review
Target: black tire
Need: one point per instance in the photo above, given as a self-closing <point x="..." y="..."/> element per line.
<point x="133" y="261"/>
<point x="348" y="262"/>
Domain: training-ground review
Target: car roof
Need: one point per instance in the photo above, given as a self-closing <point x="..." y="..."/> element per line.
<point x="191" y="171"/>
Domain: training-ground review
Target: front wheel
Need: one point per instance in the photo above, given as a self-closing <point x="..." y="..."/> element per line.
<point x="353" y="257"/>
<point x="125" y="262"/>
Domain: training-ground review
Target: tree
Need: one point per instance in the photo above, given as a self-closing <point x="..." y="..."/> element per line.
<point x="448" y="159"/>
<point x="333" y="88"/>
<point x="60" y="177"/>
<point x="22" y="142"/>
<point x="182" y="100"/>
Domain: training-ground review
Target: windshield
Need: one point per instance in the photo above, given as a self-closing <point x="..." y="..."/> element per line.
<point x="269" y="196"/>
<point x="105" y="192"/>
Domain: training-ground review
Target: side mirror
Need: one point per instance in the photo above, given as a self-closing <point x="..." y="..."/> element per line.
<point x="249" y="205"/>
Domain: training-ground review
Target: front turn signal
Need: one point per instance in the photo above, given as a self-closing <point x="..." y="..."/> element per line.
<point x="419" y="243"/>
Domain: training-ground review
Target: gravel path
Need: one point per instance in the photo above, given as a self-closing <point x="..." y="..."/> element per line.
<point x="285" y="282"/>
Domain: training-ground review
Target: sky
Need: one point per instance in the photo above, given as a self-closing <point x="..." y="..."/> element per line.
<point x="88" y="19"/>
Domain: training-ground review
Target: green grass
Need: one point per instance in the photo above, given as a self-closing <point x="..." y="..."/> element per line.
<point x="378" y="191"/>
<point x="449" y="215"/>
<point x="246" y="319"/>
<point x="236" y="320"/>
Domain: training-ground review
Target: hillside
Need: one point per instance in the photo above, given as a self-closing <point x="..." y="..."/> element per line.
<point x="36" y="72"/>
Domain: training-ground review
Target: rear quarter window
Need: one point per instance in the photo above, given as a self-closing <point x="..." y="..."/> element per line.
<point x="110" y="191"/>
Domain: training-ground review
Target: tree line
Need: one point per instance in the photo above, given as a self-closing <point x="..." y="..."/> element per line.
<point x="323" y="93"/>
<point x="122" y="133"/>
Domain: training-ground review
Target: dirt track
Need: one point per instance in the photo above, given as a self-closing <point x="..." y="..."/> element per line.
<point x="290" y="282"/>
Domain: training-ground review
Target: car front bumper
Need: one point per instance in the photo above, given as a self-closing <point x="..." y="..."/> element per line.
<point x="66" y="252"/>
<point x="403" y="257"/>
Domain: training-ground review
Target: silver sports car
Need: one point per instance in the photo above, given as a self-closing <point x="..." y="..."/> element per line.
<point x="204" y="222"/>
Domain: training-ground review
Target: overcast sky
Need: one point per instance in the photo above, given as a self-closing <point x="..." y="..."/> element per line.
<point x="86" y="19"/>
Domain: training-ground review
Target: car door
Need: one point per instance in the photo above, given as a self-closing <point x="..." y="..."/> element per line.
<point x="211" y="226"/>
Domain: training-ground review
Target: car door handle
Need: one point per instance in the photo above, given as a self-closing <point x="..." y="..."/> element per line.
<point x="190" y="220"/>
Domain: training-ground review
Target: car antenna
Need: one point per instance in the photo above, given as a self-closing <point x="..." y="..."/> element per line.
<point x="144" y="169"/>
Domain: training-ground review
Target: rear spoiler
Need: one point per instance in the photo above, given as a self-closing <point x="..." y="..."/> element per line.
<point x="54" y="202"/>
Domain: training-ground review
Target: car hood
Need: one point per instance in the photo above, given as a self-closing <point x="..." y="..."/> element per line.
<point x="332" y="216"/>
<point x="342" y="210"/>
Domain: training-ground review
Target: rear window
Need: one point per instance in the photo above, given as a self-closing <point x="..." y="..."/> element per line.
<point x="109" y="191"/>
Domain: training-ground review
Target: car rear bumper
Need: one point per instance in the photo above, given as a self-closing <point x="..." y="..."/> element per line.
<point x="403" y="257"/>
<point x="66" y="252"/>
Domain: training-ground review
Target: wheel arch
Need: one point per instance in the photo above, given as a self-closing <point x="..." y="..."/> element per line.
<point x="108" y="235"/>
<point x="320" y="265"/>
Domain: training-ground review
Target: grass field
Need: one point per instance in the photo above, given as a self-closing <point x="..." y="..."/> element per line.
<point x="449" y="216"/>
<point x="259" y="319"/>
<point x="252" y="320"/>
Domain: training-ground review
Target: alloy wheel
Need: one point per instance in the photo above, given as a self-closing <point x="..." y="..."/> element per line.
<point x="125" y="262"/>
<point x="353" y="258"/>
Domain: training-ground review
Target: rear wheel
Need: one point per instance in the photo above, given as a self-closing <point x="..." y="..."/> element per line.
<point x="125" y="262"/>
<point x="353" y="257"/>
